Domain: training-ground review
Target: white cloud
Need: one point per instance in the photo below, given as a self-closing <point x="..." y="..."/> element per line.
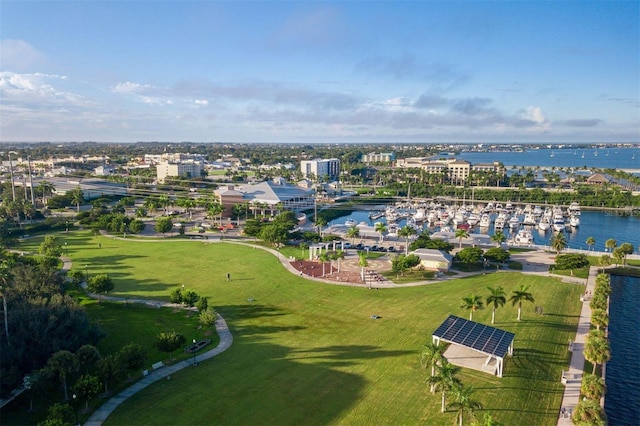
<point x="201" y="102"/>
<point x="131" y="88"/>
<point x="19" y="55"/>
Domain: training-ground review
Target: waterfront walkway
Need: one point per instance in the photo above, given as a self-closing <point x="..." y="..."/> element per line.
<point x="572" y="378"/>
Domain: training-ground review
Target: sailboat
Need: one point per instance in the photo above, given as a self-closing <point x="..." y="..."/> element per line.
<point x="552" y="154"/>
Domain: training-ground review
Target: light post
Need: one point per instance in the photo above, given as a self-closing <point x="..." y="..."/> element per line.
<point x="75" y="409"/>
<point x="66" y="251"/>
<point x="194" y="352"/>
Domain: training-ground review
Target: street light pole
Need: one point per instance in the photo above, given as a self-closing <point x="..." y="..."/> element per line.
<point x="194" y="352"/>
<point x="75" y="409"/>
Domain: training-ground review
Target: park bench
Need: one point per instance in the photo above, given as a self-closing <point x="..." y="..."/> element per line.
<point x="157" y="365"/>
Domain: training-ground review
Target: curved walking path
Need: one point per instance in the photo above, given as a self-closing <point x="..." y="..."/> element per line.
<point x="535" y="262"/>
<point x="226" y="339"/>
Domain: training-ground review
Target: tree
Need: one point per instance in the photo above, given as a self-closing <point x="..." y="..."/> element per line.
<point x="163" y="225"/>
<point x="137" y="226"/>
<point x="5" y="278"/>
<point x="337" y="255"/>
<point x="610" y="244"/>
<point x="353" y="232"/>
<point x="86" y="387"/>
<point x="63" y="363"/>
<point x="599" y="318"/>
<point x="597" y="349"/>
<point x="320" y="222"/>
<point x="323" y="259"/>
<point x="604" y="261"/>
<point x="208" y="317"/>
<point x="571" y="261"/>
<point x="132" y="356"/>
<point x="592" y="387"/>
<point x="77" y="197"/>
<point x="462" y="402"/>
<point x="202" y="304"/>
<point x="59" y="415"/>
<point x="108" y="370"/>
<point x="363" y="263"/>
<point x="497" y="298"/>
<point x="274" y="234"/>
<point x="189" y="298"/>
<point x="169" y="342"/>
<point x="558" y="242"/>
<point x="406" y="232"/>
<point x="497" y="254"/>
<point x="461" y="234"/>
<point x="100" y="284"/>
<point x="431" y="356"/>
<point x="444" y="380"/>
<point x="591" y="242"/>
<point x="88" y="356"/>
<point x="626" y="249"/>
<point x="473" y="303"/>
<point x="176" y="296"/>
<point x="50" y="247"/>
<point x="519" y="296"/>
<point x="499" y="238"/>
<point x="470" y="255"/>
<point x="589" y="412"/>
<point x="381" y="229"/>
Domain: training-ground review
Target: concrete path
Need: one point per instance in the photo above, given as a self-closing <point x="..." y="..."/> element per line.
<point x="573" y="376"/>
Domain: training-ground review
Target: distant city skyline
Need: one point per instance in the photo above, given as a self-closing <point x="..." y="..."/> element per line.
<point x="325" y="72"/>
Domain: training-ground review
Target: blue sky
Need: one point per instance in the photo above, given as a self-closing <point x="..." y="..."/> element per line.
<point x="357" y="71"/>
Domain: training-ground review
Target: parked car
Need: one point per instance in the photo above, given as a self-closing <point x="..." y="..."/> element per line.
<point x="391" y="248"/>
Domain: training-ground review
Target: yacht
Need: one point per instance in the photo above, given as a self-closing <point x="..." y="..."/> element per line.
<point x="558" y="223"/>
<point x="514" y="221"/>
<point x="529" y="219"/>
<point x="501" y="220"/>
<point x="420" y="215"/>
<point x="523" y="237"/>
<point x="485" y="221"/>
<point x="544" y="224"/>
<point x="574" y="209"/>
<point x="350" y="223"/>
<point x="473" y="219"/>
<point x="574" y="221"/>
<point x="537" y="211"/>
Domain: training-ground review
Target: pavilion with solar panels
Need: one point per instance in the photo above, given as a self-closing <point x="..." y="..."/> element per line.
<point x="488" y="343"/>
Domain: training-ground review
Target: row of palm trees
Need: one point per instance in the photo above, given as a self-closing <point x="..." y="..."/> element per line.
<point x="496" y="299"/>
<point x="596" y="351"/>
<point x="443" y="379"/>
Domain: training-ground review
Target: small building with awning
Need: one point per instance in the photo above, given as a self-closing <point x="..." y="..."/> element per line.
<point x="474" y="345"/>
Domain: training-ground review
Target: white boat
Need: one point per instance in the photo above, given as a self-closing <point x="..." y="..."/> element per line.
<point x="420" y="215"/>
<point x="574" y="221"/>
<point x="544" y="224"/>
<point x="514" y="221"/>
<point x="485" y="221"/>
<point x="558" y="223"/>
<point x="523" y="237"/>
<point x="350" y="223"/>
<point x="529" y="219"/>
<point x="473" y="219"/>
<point x="574" y="209"/>
<point x="500" y="222"/>
<point x="301" y="218"/>
<point x="537" y="211"/>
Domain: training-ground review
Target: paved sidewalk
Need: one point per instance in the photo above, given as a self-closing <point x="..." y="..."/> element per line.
<point x="573" y="376"/>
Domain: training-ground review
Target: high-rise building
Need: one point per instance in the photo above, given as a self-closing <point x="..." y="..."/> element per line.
<point x="321" y="169"/>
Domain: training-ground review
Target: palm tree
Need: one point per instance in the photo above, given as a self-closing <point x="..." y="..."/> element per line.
<point x="321" y="222"/>
<point x="589" y="412"/>
<point x="432" y="355"/>
<point x="363" y="263"/>
<point x="499" y="238"/>
<point x="597" y="349"/>
<point x="324" y="258"/>
<point x="471" y="302"/>
<point x="497" y="298"/>
<point x="444" y="380"/>
<point x="77" y="197"/>
<point x="353" y="232"/>
<point x="599" y="318"/>
<point x="463" y="402"/>
<point x="45" y="188"/>
<point x="5" y="277"/>
<point x="406" y="231"/>
<point x="593" y="387"/>
<point x="337" y="256"/>
<point x="558" y="242"/>
<point x="591" y="242"/>
<point x="610" y="244"/>
<point x="380" y="228"/>
<point x="519" y="296"/>
<point x="461" y="234"/>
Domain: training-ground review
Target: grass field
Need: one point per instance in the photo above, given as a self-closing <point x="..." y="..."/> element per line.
<point x="309" y="353"/>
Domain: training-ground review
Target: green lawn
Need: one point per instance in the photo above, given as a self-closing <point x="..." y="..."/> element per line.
<point x="309" y="353"/>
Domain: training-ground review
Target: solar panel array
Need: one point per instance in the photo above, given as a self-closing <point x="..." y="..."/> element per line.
<point x="482" y="338"/>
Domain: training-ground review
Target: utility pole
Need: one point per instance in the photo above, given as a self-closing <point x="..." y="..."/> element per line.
<point x="13" y="187"/>
<point x="33" y="201"/>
